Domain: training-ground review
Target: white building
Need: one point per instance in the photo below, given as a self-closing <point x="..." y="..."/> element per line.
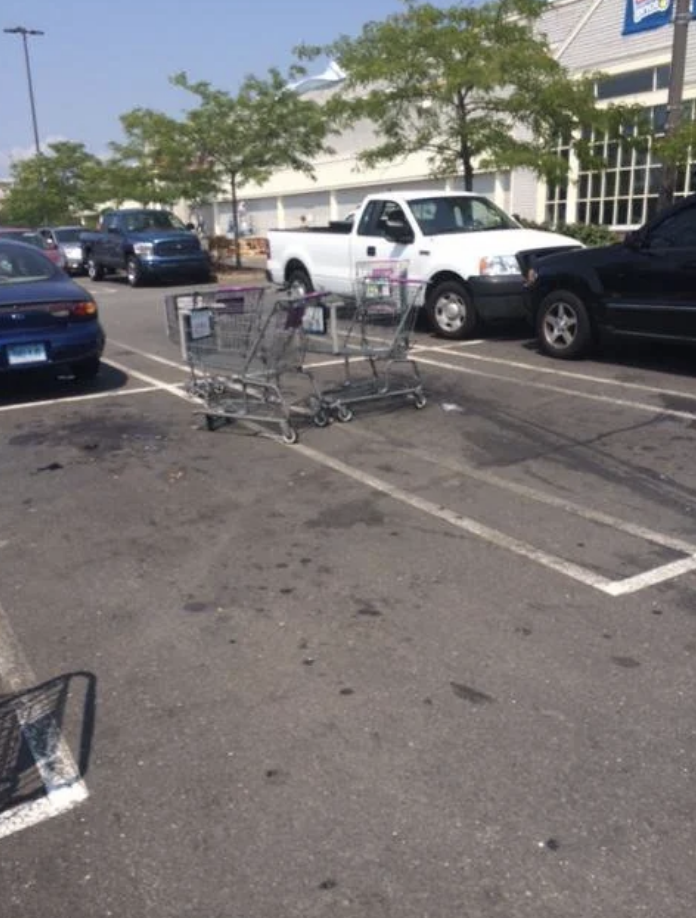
<point x="586" y="36"/>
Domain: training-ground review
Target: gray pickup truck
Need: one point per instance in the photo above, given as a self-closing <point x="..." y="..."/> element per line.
<point x="146" y="244"/>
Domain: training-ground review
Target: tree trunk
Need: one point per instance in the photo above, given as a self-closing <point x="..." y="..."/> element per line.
<point x="467" y="167"/>
<point x="235" y="222"/>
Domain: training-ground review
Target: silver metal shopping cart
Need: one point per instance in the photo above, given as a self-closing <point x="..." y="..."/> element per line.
<point x="375" y="331"/>
<point x="240" y="354"/>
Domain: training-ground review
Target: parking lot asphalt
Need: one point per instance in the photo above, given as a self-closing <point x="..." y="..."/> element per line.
<point x="426" y="664"/>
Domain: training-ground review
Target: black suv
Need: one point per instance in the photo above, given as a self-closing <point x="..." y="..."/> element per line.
<point x="644" y="286"/>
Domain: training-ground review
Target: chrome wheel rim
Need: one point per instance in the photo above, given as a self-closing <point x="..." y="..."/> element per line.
<point x="450" y="312"/>
<point x="298" y="289"/>
<point x="560" y="325"/>
<point x="132" y="272"/>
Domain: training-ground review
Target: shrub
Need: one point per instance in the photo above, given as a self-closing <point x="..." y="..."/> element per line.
<point x="589" y="235"/>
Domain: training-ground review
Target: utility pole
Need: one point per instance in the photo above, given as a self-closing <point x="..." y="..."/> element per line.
<point x="682" y="17"/>
<point x="20" y="30"/>
<point x="24" y="32"/>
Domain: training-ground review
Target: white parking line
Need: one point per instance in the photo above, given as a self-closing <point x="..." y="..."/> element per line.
<point x="59" y="773"/>
<point x="561" y="390"/>
<point x="44" y="403"/>
<point x="567" y="506"/>
<point x="566" y="374"/>
<point x="569" y="569"/>
<point x="172" y="388"/>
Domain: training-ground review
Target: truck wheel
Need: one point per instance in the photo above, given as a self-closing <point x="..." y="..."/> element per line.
<point x="299" y="283"/>
<point x="134" y="272"/>
<point x="95" y="271"/>
<point x="563" y="326"/>
<point x="450" y="310"/>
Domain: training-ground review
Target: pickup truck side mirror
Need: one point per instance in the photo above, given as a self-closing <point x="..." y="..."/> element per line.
<point x="399" y="232"/>
<point x="190" y="227"/>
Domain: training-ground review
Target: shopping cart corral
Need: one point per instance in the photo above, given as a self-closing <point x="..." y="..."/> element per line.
<point x="245" y="358"/>
<point x="376" y="332"/>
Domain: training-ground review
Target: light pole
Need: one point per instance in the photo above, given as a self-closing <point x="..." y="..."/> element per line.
<point x="21" y="30"/>
<point x="682" y="16"/>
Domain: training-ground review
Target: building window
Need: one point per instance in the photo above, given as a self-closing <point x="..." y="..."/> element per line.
<point x="648" y="79"/>
<point x="625" y="192"/>
<point x="557" y="195"/>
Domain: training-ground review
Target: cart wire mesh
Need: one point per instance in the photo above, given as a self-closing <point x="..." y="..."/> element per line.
<point x="239" y="352"/>
<point x="376" y="329"/>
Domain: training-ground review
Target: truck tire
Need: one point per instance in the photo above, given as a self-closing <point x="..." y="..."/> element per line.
<point x="450" y="311"/>
<point x="299" y="283"/>
<point x="563" y="326"/>
<point x="134" y="271"/>
<point x="95" y="271"/>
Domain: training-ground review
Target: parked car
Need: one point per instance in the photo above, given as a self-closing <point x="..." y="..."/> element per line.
<point x="644" y="286"/>
<point x="462" y="245"/>
<point x="46" y="319"/>
<point x="67" y="239"/>
<point x="32" y="237"/>
<point x="146" y="244"/>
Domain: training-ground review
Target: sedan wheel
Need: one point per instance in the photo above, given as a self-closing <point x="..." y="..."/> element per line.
<point x="563" y="325"/>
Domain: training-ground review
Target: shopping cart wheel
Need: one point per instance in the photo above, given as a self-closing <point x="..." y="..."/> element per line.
<point x="321" y="418"/>
<point x="420" y="400"/>
<point x="344" y="414"/>
<point x="289" y="434"/>
<point x="213" y="421"/>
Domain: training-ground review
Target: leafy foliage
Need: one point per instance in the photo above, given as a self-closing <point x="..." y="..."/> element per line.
<point x="239" y="139"/>
<point x="55" y="187"/>
<point x="156" y="162"/>
<point x="474" y="87"/>
<point x="590" y="235"/>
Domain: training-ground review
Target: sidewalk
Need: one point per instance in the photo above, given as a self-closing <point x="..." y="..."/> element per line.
<point x="253" y="271"/>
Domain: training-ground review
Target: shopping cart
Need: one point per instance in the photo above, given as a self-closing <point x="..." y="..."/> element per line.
<point x="239" y="355"/>
<point x="376" y="331"/>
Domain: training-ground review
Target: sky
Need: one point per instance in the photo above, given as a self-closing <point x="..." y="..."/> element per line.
<point x="99" y="59"/>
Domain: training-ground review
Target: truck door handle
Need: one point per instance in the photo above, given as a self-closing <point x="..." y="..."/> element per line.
<point x="371" y="250"/>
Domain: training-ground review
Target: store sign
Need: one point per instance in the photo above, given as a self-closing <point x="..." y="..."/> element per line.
<point x="642" y="15"/>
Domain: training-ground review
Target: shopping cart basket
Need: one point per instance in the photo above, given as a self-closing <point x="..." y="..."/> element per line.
<point x="376" y="331"/>
<point x="178" y="308"/>
<point x="239" y="355"/>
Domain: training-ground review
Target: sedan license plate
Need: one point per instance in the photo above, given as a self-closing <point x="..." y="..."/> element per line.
<point x="20" y="354"/>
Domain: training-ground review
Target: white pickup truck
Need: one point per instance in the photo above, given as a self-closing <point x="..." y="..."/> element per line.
<point x="471" y="254"/>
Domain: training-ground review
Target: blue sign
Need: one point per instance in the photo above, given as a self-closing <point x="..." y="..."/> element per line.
<point x="642" y="15"/>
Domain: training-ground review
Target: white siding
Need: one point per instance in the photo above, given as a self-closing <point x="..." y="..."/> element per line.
<point x="313" y="207"/>
<point x="560" y="19"/>
<point x="262" y="215"/>
<point x="600" y="43"/>
<point x="524" y="194"/>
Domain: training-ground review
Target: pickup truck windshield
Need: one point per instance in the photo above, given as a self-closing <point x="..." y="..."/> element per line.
<point x="152" y="219"/>
<point x="466" y="214"/>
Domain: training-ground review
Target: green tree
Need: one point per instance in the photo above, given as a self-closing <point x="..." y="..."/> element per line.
<point x="675" y="149"/>
<point x="476" y="87"/>
<point x="55" y="187"/>
<point x="244" y="138"/>
<point x="155" y="164"/>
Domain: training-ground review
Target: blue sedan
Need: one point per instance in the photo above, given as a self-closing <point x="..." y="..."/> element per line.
<point x="46" y="320"/>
